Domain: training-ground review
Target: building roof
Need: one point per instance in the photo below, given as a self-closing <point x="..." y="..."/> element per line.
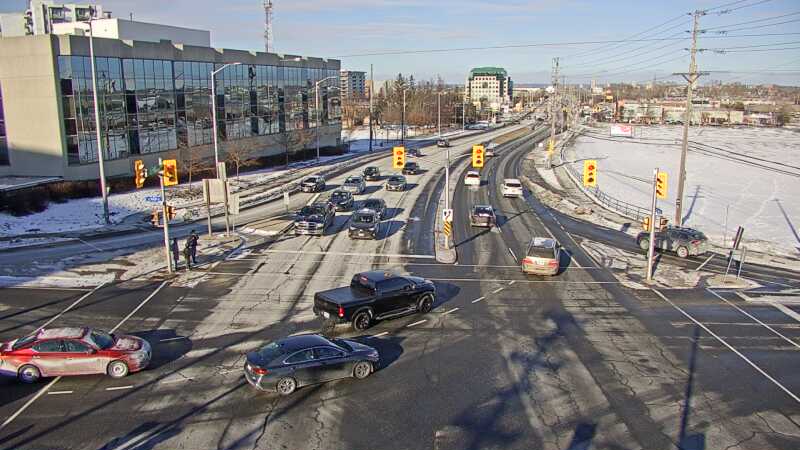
<point x="478" y="71"/>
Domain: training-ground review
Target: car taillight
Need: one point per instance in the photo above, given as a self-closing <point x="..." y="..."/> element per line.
<point x="527" y="261"/>
<point x="696" y="242"/>
<point x="260" y="371"/>
<point x="341" y="311"/>
<point x="552" y="263"/>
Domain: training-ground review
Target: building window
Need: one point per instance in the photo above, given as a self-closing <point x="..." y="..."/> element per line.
<point x="3" y="138"/>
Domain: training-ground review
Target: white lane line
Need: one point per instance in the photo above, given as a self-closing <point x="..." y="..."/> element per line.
<point x="497" y="290"/>
<point x="786" y="310"/>
<point x="512" y="282"/>
<point x="173" y="339"/>
<point x="41" y="392"/>
<point x="384" y="255"/>
<point x="705" y="262"/>
<point x="91" y="245"/>
<point x="59" y="392"/>
<point x="512" y="253"/>
<point x="479" y="299"/>
<point x="182" y="380"/>
<point x="153" y="294"/>
<point x="381" y="334"/>
<point x="119" y="388"/>
<point x="451" y="311"/>
<point x="730" y="347"/>
<point x="416" y="323"/>
<point x="750" y="316"/>
<point x="75" y="303"/>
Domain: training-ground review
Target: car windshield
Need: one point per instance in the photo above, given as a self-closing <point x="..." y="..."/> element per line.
<point x="351" y="180"/>
<point x="343" y="344"/>
<point x="339" y="196"/>
<point x="270" y="351"/>
<point x="396" y="179"/>
<point x="23" y="341"/>
<point x="513" y="184"/>
<point x="372" y="204"/>
<point x="364" y="218"/>
<point x="473" y="175"/>
<point x="483" y="211"/>
<point x="371" y="170"/>
<point x="102" y="339"/>
<point x="541" y="252"/>
<point x="311" y="180"/>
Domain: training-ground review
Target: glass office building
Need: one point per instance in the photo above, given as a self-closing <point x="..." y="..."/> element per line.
<point x="155" y="101"/>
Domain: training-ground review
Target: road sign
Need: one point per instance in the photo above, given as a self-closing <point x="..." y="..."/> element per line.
<point x="153" y="198"/>
<point x="447" y="215"/>
<point x="448" y="229"/>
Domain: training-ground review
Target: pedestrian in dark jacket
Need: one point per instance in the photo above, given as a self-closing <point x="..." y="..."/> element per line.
<point x="187" y="255"/>
<point x="176" y="253"/>
<point x="193" y="237"/>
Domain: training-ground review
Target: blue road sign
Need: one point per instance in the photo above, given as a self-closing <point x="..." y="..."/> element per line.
<point x="153" y="198"/>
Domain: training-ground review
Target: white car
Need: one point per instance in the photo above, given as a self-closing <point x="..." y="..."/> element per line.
<point x="472" y="178"/>
<point x="512" y="188"/>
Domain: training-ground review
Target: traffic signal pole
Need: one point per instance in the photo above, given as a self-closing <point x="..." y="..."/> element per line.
<point x="447" y="192"/>
<point x="165" y="214"/>
<point x="651" y="247"/>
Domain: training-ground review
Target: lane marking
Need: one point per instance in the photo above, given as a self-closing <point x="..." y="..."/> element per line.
<point x="497" y="290"/>
<point x="59" y="392"/>
<point x="381" y="334"/>
<point x="757" y="320"/>
<point x="41" y="392"/>
<point x="91" y="245"/>
<point x="119" y="388"/>
<point x="172" y="339"/>
<point x="730" y="347"/>
<point x="182" y="380"/>
<point x="479" y="299"/>
<point x="512" y="282"/>
<point x="451" y="311"/>
<point x="786" y="310"/>
<point x="705" y="262"/>
<point x="416" y="323"/>
<point x="75" y="303"/>
<point x="384" y="255"/>
<point x="144" y="302"/>
<point x="512" y="253"/>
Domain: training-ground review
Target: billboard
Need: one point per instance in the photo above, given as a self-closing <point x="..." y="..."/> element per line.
<point x="621" y="130"/>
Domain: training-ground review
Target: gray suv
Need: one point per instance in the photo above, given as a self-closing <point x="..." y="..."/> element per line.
<point x="683" y="241"/>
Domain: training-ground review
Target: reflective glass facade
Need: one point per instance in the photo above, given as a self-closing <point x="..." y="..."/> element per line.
<point x="3" y="139"/>
<point x="149" y="106"/>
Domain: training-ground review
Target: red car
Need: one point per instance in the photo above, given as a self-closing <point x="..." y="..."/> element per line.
<point x="72" y="351"/>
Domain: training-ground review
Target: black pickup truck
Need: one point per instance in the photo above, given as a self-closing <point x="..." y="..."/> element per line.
<point x="314" y="219"/>
<point x="373" y="296"/>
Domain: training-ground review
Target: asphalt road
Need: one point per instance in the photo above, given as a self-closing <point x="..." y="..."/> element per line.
<point x="504" y="361"/>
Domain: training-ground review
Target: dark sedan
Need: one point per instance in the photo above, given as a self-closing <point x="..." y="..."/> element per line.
<point x="396" y="183"/>
<point x="296" y="361"/>
<point x="411" y="168"/>
<point x="341" y="200"/>
<point x="313" y="184"/>
<point x="372" y="173"/>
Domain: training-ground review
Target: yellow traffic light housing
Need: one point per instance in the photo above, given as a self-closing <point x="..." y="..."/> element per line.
<point x="170" y="167"/>
<point x="398" y="157"/>
<point x="646" y="223"/>
<point x="661" y="185"/>
<point x="139" y="173"/>
<point x="590" y="173"/>
<point x="170" y="212"/>
<point x="478" y="153"/>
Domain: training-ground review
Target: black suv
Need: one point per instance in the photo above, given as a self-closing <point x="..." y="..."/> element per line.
<point x="313" y="184"/>
<point x="364" y="224"/>
<point x="341" y="200"/>
<point x="375" y="295"/>
<point x="376" y="204"/>
<point x="683" y="241"/>
<point x="411" y="168"/>
<point x="372" y="173"/>
<point x="314" y="219"/>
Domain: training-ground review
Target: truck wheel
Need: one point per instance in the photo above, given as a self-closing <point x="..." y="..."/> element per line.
<point x="425" y="304"/>
<point x="683" y="252"/>
<point x="362" y="321"/>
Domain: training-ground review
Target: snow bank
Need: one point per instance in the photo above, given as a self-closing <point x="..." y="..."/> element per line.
<point x="765" y="202"/>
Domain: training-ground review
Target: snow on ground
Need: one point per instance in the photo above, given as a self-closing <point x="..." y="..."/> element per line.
<point x="765" y="202"/>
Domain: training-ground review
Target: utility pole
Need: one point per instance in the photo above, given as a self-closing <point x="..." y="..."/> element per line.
<point x="371" y="88"/>
<point x="403" y="120"/>
<point x="100" y="150"/>
<point x="651" y="246"/>
<point x="552" y="144"/>
<point x="690" y="77"/>
<point x="164" y="213"/>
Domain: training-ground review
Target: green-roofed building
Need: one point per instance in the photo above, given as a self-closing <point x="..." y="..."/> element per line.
<point x="489" y="87"/>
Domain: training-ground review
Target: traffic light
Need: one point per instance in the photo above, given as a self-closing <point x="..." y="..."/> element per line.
<point x="662" y="223"/>
<point x="646" y="223"/>
<point x="139" y="173"/>
<point x="170" y="167"/>
<point x="551" y="146"/>
<point x="398" y="157"/>
<point x="661" y="185"/>
<point x="590" y="173"/>
<point x="170" y="212"/>
<point x="477" y="156"/>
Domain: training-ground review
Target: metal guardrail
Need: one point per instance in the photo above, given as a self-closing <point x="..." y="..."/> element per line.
<point x="621" y="207"/>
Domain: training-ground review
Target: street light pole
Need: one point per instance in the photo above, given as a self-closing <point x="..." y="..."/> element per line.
<point x="316" y="108"/>
<point x="100" y="156"/>
<point x="403" y="120"/>
<point x="214" y="114"/>
<point x="439" y="113"/>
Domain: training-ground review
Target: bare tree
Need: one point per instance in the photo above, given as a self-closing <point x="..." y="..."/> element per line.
<point x="295" y="141"/>
<point x="239" y="151"/>
<point x="192" y="163"/>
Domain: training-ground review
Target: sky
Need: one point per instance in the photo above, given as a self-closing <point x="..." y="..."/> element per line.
<point x="345" y="29"/>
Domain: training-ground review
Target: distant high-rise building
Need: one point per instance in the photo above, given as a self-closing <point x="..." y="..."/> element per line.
<point x="490" y="87"/>
<point x="43" y="16"/>
<point x="353" y="84"/>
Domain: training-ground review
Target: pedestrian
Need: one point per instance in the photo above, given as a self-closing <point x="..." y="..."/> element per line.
<point x="176" y="253"/>
<point x="193" y="237"/>
<point x="187" y="254"/>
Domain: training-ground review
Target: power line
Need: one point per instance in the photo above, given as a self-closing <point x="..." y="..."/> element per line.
<point x="604" y="49"/>
<point x="754" y="46"/>
<point x="752" y="21"/>
<point x="615" y="59"/>
<point x="758" y="26"/>
<point x="759" y="50"/>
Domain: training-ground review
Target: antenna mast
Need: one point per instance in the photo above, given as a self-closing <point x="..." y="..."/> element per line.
<point x="268" y="45"/>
